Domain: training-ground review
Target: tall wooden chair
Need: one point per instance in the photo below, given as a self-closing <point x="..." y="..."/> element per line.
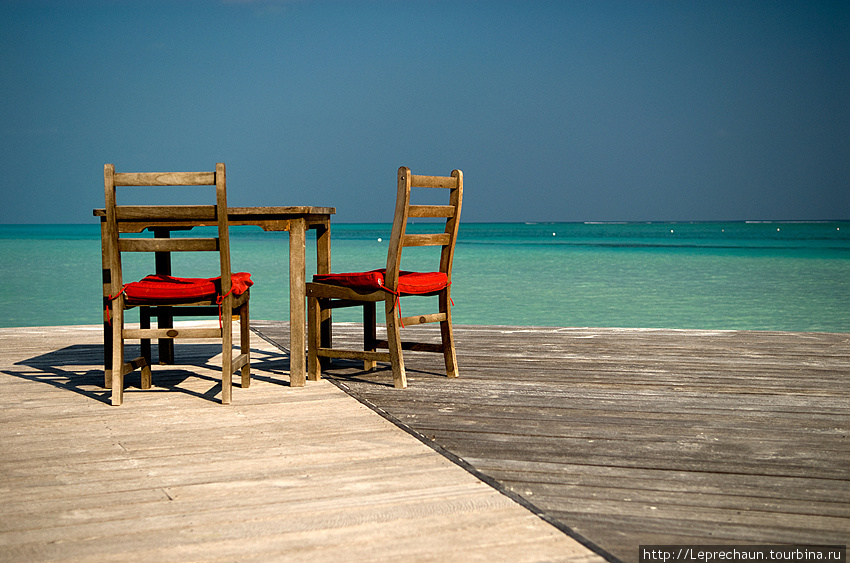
<point x="330" y="291"/>
<point x="227" y="294"/>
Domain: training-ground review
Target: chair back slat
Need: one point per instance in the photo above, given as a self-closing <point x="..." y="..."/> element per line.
<point x="432" y="211"/>
<point x="175" y="212"/>
<point x="437" y="239"/>
<point x="417" y="181"/>
<point x="168" y="245"/>
<point x="164" y="179"/>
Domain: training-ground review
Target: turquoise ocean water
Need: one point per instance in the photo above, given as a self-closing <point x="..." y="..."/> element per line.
<point x="740" y="275"/>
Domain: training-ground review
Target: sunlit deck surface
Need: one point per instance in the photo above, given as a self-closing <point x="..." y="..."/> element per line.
<point x="281" y="474"/>
<point x="553" y="445"/>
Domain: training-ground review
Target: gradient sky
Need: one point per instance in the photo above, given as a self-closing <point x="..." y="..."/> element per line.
<point x="555" y="111"/>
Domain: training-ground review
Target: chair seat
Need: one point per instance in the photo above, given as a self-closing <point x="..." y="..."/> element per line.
<point x="161" y="289"/>
<point x="409" y="283"/>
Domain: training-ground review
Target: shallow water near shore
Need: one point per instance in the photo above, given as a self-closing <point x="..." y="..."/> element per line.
<point x="792" y="276"/>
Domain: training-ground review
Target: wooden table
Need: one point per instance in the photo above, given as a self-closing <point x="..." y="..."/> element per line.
<point x="296" y="220"/>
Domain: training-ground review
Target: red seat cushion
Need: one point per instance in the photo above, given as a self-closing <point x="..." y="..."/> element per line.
<point x="167" y="289"/>
<point x="419" y="283"/>
<point x="409" y="283"/>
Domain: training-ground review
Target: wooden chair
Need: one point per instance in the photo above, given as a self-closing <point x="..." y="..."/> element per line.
<point x="223" y="296"/>
<point x="330" y="291"/>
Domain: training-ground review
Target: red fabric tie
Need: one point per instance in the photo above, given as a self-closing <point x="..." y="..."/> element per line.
<point x="109" y="305"/>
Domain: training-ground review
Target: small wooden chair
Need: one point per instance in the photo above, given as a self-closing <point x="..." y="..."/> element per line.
<point x="227" y="294"/>
<point x="330" y="291"/>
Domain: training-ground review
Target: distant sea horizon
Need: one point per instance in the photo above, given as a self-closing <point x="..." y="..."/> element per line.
<point x="786" y="275"/>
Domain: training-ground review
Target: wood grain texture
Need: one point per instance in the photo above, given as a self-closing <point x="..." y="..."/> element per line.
<point x="165" y="179"/>
<point x="635" y="436"/>
<point x="283" y="474"/>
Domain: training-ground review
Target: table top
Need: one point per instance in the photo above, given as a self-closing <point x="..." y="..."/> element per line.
<point x="269" y="218"/>
<point x="283" y="212"/>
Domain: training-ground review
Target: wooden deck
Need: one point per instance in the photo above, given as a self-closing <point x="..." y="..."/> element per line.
<point x="615" y="438"/>
<point x="282" y="474"/>
<point x="623" y="437"/>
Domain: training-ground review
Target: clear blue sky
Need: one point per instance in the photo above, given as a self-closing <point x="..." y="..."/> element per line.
<point x="596" y="110"/>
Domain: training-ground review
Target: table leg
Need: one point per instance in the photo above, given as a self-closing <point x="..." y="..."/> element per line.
<point x="164" y="318"/>
<point x="297" y="303"/>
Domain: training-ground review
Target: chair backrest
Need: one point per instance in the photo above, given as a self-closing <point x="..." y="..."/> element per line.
<point x="135" y="218"/>
<point x="443" y="234"/>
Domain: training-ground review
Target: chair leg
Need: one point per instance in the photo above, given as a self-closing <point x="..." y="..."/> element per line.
<point x="245" y="343"/>
<point x="326" y="333"/>
<point x="394" y="345"/>
<point x="145" y="322"/>
<point x="226" y="353"/>
<point x="145" y="345"/>
<point x="449" y="353"/>
<point x="370" y="335"/>
<point x="107" y="350"/>
<point x="448" y="339"/>
<point x="314" y="338"/>
<point x="147" y="380"/>
<point x="117" y="353"/>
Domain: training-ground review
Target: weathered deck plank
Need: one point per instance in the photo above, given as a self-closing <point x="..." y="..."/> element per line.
<point x="282" y="474"/>
<point x="629" y="436"/>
